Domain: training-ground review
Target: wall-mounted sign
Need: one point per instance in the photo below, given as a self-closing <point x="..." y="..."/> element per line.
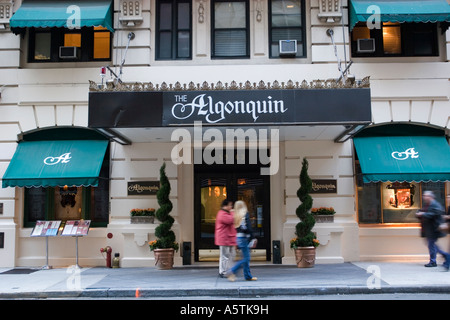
<point x="142" y="188"/>
<point x="254" y="107"/>
<point x="324" y="186"/>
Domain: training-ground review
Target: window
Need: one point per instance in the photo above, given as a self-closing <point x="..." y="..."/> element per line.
<point x="173" y="30"/>
<point x="67" y="45"/>
<point x="395" y="39"/>
<point x="69" y="202"/>
<point x="230" y="29"/>
<point x="393" y="202"/>
<point x="286" y="23"/>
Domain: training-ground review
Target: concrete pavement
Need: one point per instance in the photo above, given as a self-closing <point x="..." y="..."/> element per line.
<point x="203" y="281"/>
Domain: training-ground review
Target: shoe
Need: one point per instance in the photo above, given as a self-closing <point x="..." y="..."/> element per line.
<point x="252" y="279"/>
<point x="231" y="277"/>
<point x="221" y="275"/>
<point x="430" y="264"/>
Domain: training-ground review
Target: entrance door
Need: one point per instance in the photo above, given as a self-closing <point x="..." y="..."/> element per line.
<point x="211" y="188"/>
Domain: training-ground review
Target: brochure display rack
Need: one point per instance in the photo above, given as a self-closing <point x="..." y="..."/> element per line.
<point x="46" y="229"/>
<point x="76" y="228"/>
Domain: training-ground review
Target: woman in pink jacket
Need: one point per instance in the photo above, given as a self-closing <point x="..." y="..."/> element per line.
<point x="225" y="236"/>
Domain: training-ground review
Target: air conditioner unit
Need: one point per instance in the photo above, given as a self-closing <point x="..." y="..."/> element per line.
<point x="366" y="45"/>
<point x="69" y="52"/>
<point x="288" y="48"/>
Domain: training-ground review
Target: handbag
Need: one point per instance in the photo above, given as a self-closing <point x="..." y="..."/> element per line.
<point x="443" y="227"/>
<point x="252" y="244"/>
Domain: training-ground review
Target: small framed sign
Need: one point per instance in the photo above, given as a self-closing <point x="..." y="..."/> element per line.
<point x="324" y="186"/>
<point x="143" y="188"/>
<point x="76" y="228"/>
<point x="46" y="228"/>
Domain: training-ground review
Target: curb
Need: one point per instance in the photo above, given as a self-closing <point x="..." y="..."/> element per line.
<point x="239" y="292"/>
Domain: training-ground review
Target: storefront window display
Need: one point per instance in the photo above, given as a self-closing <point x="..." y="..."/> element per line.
<point x="393" y="202"/>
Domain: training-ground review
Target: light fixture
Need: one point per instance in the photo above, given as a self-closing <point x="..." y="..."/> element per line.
<point x="349" y="132"/>
<point x="130" y="14"/>
<point x="329" y="11"/>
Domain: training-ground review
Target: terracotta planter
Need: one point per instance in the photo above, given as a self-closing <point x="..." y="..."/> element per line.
<point x="305" y="257"/>
<point x="324" y="218"/>
<point x="142" y="219"/>
<point x="164" y="258"/>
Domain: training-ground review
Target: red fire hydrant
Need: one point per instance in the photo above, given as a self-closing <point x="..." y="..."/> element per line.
<point x="108" y="251"/>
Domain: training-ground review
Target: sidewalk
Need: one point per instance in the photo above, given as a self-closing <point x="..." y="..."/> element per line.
<point x="198" y="281"/>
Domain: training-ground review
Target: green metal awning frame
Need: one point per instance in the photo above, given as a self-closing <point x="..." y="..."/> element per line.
<point x="399" y="11"/>
<point x="403" y="158"/>
<point x="56" y="163"/>
<point x="63" y="14"/>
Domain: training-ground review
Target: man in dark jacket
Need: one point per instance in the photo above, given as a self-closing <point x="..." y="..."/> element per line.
<point x="430" y="216"/>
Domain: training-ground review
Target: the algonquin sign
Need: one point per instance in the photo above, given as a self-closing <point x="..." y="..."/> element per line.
<point x="121" y="109"/>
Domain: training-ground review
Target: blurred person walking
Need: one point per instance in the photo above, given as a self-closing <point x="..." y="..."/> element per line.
<point x="244" y="237"/>
<point x="431" y="216"/>
<point x="225" y="236"/>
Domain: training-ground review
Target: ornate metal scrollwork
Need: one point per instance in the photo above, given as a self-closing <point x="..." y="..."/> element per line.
<point x="233" y="85"/>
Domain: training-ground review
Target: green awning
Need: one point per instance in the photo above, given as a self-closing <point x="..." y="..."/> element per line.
<point x="399" y="11"/>
<point x="63" y="14"/>
<point x="56" y="163"/>
<point x="400" y="158"/>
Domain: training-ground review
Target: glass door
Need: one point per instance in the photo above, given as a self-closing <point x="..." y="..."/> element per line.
<point x="211" y="189"/>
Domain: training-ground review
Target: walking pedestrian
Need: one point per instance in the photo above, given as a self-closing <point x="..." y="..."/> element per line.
<point x="225" y="236"/>
<point x="430" y="216"/>
<point x="244" y="236"/>
<point x="447" y="216"/>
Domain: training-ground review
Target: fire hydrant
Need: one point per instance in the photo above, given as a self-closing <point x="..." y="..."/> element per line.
<point x="108" y="251"/>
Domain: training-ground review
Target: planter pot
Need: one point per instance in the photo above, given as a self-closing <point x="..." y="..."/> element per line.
<point x="142" y="219"/>
<point x="324" y="218"/>
<point x="305" y="257"/>
<point x="164" y="258"/>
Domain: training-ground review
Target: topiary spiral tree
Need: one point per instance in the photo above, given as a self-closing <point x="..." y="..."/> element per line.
<point x="303" y="228"/>
<point x="166" y="237"/>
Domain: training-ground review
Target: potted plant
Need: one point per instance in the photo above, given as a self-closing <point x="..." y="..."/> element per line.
<point x="305" y="243"/>
<point x="164" y="246"/>
<point x="323" y="214"/>
<point x="138" y="216"/>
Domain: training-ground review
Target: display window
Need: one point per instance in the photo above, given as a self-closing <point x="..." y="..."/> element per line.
<point x="393" y="202"/>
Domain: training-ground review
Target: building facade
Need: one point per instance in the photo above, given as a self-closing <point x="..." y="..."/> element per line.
<point x="142" y="83"/>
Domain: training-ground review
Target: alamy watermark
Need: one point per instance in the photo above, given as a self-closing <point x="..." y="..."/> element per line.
<point x="374" y="20"/>
<point x="73" y="282"/>
<point x="221" y="150"/>
<point x="374" y="280"/>
<point x="74" y="20"/>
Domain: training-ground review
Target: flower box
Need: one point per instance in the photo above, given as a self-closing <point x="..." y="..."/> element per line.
<point x="320" y="218"/>
<point x="323" y="214"/>
<point x="142" y="219"/>
<point x="138" y="216"/>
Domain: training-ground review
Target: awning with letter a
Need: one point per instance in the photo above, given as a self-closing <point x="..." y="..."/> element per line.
<point x="398" y="11"/>
<point x="63" y="14"/>
<point x="56" y="163"/>
<point x="404" y="158"/>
